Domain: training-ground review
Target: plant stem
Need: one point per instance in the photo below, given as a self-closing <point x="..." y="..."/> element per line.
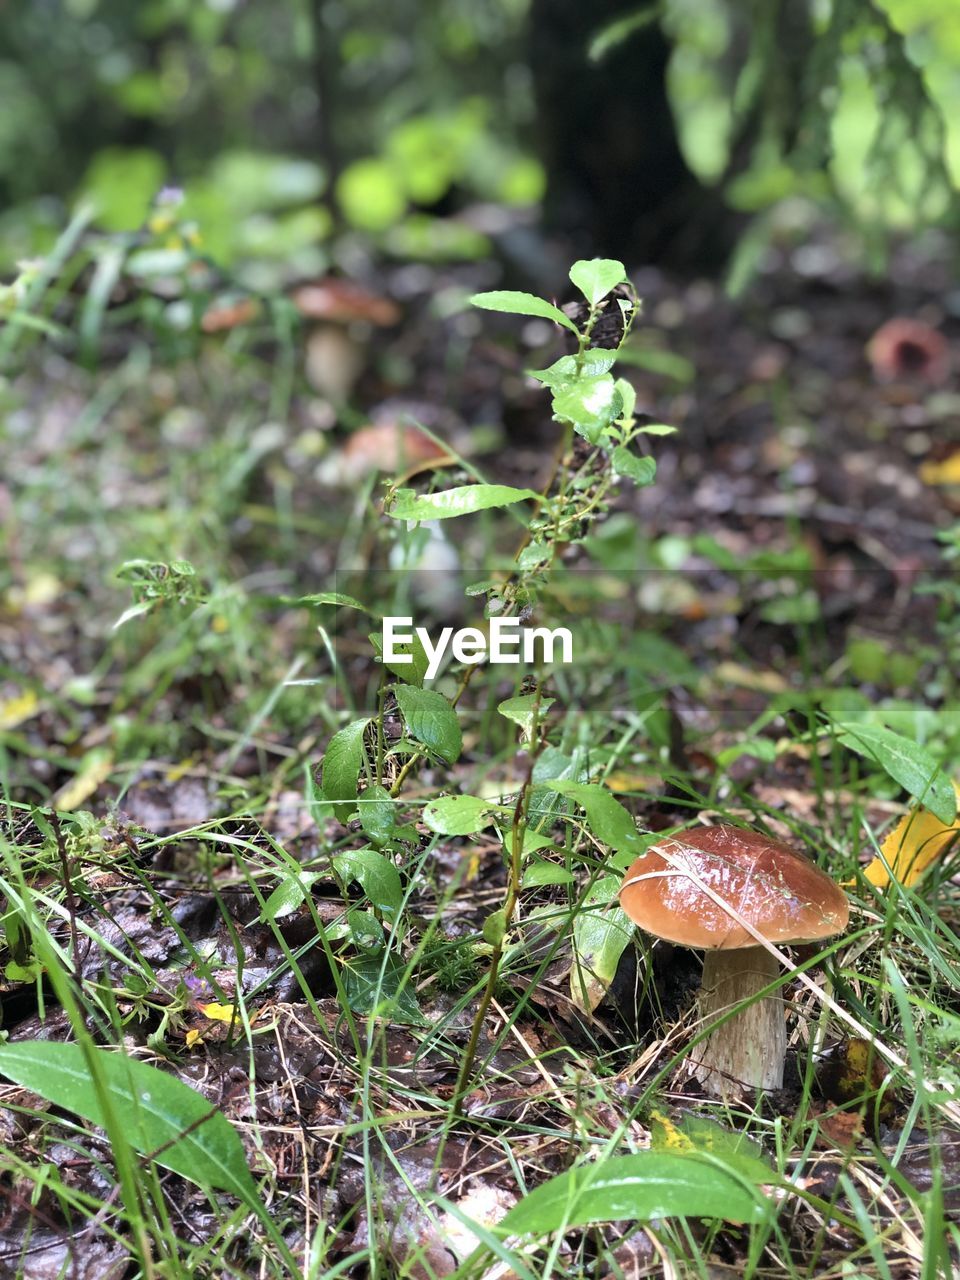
<point x="381" y="698"/>
<point x="514" y="874"/>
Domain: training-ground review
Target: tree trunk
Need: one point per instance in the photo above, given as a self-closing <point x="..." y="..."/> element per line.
<point x="617" y="182"/>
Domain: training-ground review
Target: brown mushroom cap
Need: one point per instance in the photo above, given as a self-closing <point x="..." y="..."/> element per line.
<point x="782" y="895"/>
<point x="343" y="301"/>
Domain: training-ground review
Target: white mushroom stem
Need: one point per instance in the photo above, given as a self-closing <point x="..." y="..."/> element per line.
<point x="746" y="1051"/>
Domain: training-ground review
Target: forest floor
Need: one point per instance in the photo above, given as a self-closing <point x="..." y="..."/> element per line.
<point x="789" y="553"/>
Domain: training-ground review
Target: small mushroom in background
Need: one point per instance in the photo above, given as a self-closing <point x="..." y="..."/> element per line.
<point x="340" y="313"/>
<point x="384" y="445"/>
<point x="708" y="888"/>
<point x="344" y="302"/>
<point x="911" y="350"/>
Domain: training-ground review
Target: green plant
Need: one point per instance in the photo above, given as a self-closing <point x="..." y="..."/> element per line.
<point x="367" y="764"/>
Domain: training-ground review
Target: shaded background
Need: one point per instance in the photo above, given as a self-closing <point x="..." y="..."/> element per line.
<point x="303" y="133"/>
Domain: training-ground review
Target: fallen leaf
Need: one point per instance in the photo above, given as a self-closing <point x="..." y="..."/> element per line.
<point x="178" y="771"/>
<point x="917" y="840"/>
<point x="629" y="780"/>
<point x="842" y="1129"/>
<point x="19" y="708"/>
<point x="219" y="1012"/>
<point x="96" y="769"/>
<point x="946" y="471"/>
<point x="40" y="590"/>
<point x="745" y="678"/>
<point x="855" y="1072"/>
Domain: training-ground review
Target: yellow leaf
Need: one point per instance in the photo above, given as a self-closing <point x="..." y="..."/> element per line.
<point x="218" y="1012"/>
<point x="629" y="780"/>
<point x="40" y="589"/>
<point x="667" y="1136"/>
<point x="746" y="678"/>
<point x="15" y="710"/>
<point x="96" y="769"/>
<point x="853" y="1072"/>
<point x="916" y="841"/>
<point x="177" y="771"/>
<point x="192" y="1038"/>
<point x="945" y="472"/>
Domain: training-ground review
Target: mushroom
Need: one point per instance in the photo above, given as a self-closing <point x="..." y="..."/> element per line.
<point x="906" y="349"/>
<point x="384" y="445"/>
<point x="724" y="889"/>
<point x="344" y="302"/>
<point x="339" y="314"/>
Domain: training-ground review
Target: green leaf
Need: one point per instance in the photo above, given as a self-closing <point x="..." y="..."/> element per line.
<point x="907" y="763"/>
<point x="543" y="802"/>
<point x="37" y="323"/>
<point x="458" y="815"/>
<point x="289" y="893"/>
<point x="759" y="748"/>
<point x="332" y="597"/>
<point x="606" y="817"/>
<point x="666" y="363"/>
<point x="463" y="501"/>
<point x="520" y="710"/>
<point x="658" y="429"/>
<point x="628" y="398"/>
<point x="341" y="768"/>
<point x="412" y="672"/>
<point x="375" y="874"/>
<point x="601" y="933"/>
<point x="431" y="719"/>
<point x="378" y="814"/>
<point x="495" y="927"/>
<point x="378" y="985"/>
<point x="568" y="369"/>
<point x="540" y="871"/>
<point x="698" y="1136"/>
<point x="591" y="404"/>
<point x="522" y="304"/>
<point x="158" y="262"/>
<point x="612" y="34"/>
<point x="650" y="1184"/>
<point x="642" y="471"/>
<point x="366" y="931"/>
<point x="122" y="182"/>
<point x="134" y="611"/>
<point x="155" y="1109"/>
<point x="530" y="842"/>
<point x="370" y="191"/>
<point x="596" y="277"/>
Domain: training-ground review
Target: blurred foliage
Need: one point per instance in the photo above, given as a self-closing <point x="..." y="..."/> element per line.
<point x="261" y="114"/>
<point x="285" y="123"/>
<point x="844" y="98"/>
